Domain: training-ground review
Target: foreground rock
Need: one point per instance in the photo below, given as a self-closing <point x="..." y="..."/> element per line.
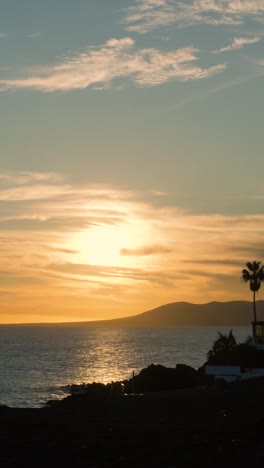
<point x="203" y="428"/>
<point x="155" y="378"/>
<point x="100" y="426"/>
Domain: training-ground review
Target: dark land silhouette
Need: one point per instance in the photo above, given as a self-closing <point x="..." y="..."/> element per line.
<point x="234" y="313"/>
<point x="172" y="423"/>
<point x="160" y="418"/>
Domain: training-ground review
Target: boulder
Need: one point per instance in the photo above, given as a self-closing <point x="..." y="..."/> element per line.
<point x="156" y="378"/>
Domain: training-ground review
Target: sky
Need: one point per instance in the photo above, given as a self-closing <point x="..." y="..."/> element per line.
<point x="131" y="162"/>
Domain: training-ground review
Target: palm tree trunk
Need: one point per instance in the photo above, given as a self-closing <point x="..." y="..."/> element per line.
<point x="255" y="313"/>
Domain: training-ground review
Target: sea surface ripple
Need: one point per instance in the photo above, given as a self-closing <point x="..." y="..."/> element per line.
<point x="36" y="361"/>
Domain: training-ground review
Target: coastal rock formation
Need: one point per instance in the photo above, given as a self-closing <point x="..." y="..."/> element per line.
<point x="156" y="378"/>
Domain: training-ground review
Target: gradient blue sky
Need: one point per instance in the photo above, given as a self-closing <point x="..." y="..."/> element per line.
<point x="131" y="154"/>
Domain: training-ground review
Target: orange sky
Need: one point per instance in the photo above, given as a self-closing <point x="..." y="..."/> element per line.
<point x="72" y="252"/>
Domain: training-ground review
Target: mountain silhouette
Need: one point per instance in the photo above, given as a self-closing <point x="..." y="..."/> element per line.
<point x="235" y="313"/>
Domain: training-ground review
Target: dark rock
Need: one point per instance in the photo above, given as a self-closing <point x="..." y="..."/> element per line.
<point x="187" y="375"/>
<point x="156" y="378"/>
<point x="85" y="393"/>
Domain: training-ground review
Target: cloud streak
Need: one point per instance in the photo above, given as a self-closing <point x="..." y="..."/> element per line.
<point x="93" y="244"/>
<point x="116" y="59"/>
<point x="239" y="43"/>
<point x="147" y="15"/>
<point x="145" y="251"/>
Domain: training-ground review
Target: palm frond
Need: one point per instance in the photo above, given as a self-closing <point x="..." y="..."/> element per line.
<point x="250" y="266"/>
<point x="246" y="276"/>
<point x="253" y="266"/>
<point x="261" y="273"/>
<point x="256" y="265"/>
<point x="223" y="344"/>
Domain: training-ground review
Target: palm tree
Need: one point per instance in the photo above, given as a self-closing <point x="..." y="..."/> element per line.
<point x="254" y="275"/>
<point x="223" y="344"/>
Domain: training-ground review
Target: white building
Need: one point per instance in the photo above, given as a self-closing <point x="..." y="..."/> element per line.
<point x="236" y="373"/>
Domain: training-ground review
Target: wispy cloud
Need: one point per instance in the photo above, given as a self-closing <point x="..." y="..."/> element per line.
<point x="25" y="177"/>
<point x="2" y="35"/>
<point x="145" y="251"/>
<point x="146" y="15"/>
<point x="83" y="246"/>
<point x="35" y="192"/>
<point x="238" y="43"/>
<point x="117" y="58"/>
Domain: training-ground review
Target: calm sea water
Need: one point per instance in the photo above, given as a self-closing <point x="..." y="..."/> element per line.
<point x="36" y="361"/>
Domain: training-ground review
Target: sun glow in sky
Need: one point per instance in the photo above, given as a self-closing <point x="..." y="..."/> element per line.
<point x="131" y="163"/>
<point x="102" y="245"/>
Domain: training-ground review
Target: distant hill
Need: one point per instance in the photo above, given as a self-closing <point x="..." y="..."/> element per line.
<point x="233" y="313"/>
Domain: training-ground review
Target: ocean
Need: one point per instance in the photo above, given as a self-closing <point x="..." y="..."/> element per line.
<point x="37" y="361"/>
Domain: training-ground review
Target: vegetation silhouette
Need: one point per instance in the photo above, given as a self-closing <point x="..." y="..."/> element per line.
<point x="254" y="275"/>
<point x="223" y="344"/>
<point x="226" y="351"/>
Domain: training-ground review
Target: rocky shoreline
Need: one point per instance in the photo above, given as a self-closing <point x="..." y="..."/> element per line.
<point x="102" y="426"/>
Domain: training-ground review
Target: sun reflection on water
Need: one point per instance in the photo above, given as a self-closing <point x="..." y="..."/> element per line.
<point x="36" y="362"/>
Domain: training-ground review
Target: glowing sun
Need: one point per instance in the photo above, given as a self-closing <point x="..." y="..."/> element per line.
<point x="101" y="245"/>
